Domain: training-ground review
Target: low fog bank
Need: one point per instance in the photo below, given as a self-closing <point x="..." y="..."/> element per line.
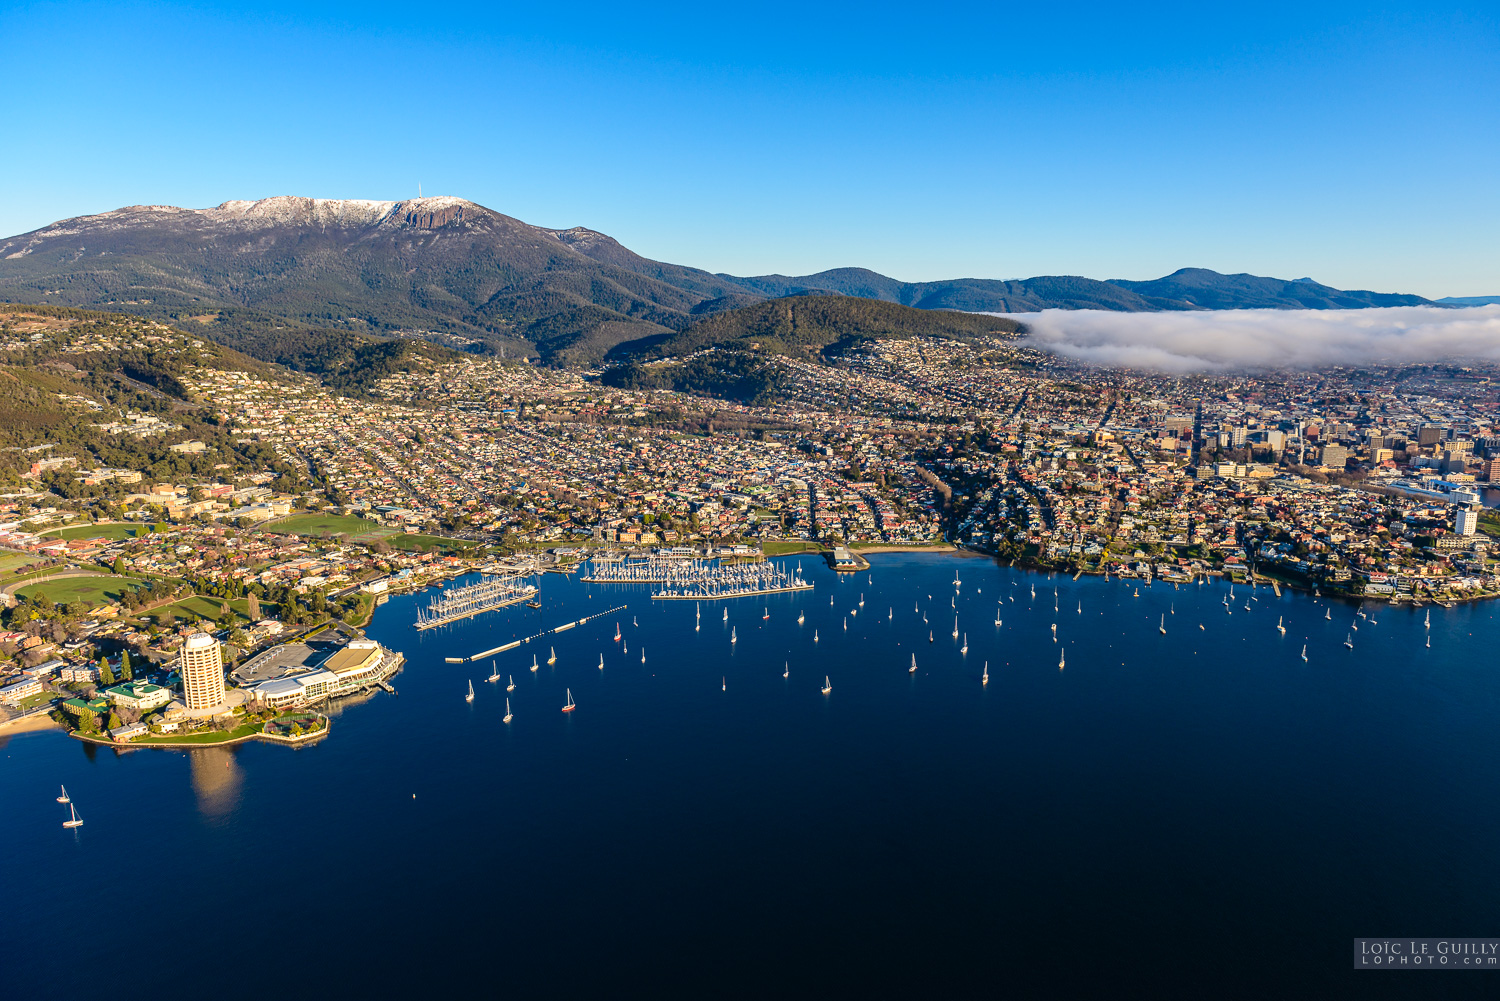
<point x="1265" y="338"/>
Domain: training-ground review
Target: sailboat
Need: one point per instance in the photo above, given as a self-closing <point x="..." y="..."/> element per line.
<point x="965" y="648"/>
<point x="801" y="618"/>
<point x="569" y="705"/>
<point x="724" y="684"/>
<point x="767" y="615"/>
<point x="846" y="623"/>
<point x="891" y="614"/>
<point x="1304" y="653"/>
<point x="1328" y="613"/>
<point x="786" y="669"/>
<point x="1137" y="593"/>
<point x="512" y="686"/>
<point x="1062" y="660"/>
<point x="507" y="717"/>
<point x="64" y="797"/>
<point x="551" y="657"/>
<point x="1172" y="608"/>
<point x="984" y="679"/>
<point x="1429" y="642"/>
<point x="827" y="685"/>
<point x="861" y="599"/>
<point x="643" y="655"/>
<point x="815" y="636"/>
<point x="1080" y="608"/>
<point x="494" y="672"/>
<point x="955" y="627"/>
<point x="733" y="636"/>
<point x="929" y="636"/>
<point x="601" y="662"/>
<point x="626" y="648"/>
<point x="830" y="601"/>
<point x="1054" y="632"/>
<point x="635" y="622"/>
<point x="913" y="668"/>
<point x="617" y="632"/>
<point x="1427" y="622"/>
<point x="1163" y="627"/>
<point x="76" y="820"/>
<point x="1279" y="627"/>
<point x="1033" y="591"/>
<point x="1349" y="640"/>
<point x="470" y="696"/>
<point x="997" y="615"/>
<point x="726" y="615"/>
<point x="853" y="612"/>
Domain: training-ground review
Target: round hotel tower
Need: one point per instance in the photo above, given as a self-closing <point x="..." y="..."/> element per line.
<point x="202" y="671"/>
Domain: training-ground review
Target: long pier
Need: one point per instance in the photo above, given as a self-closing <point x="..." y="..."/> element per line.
<point x="720" y="595"/>
<point x="536" y="636"/>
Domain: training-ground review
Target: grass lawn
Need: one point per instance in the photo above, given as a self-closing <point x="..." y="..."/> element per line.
<point x="92" y="589"/>
<point x="316" y="524"/>
<point x="11" y="562"/>
<point x="114" y="531"/>
<point x="772" y="548"/>
<point x="404" y="541"/>
<point x="206" y="737"/>
<point x="203" y="607"/>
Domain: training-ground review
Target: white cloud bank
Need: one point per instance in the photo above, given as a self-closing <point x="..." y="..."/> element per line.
<point x="1266" y="338"/>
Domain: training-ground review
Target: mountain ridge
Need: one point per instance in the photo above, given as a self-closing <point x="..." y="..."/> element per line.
<point x="447" y="269"/>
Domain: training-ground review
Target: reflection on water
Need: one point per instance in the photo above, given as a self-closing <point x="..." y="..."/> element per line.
<point x="216" y="780"/>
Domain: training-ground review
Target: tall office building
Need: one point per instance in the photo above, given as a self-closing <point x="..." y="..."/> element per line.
<point x="1335" y="456"/>
<point x="202" y="669"/>
<point x="1429" y="435"/>
<point x="1465" y="521"/>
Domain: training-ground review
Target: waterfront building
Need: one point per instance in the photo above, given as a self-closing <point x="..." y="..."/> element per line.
<point x="139" y="695"/>
<point x="201" y="666"/>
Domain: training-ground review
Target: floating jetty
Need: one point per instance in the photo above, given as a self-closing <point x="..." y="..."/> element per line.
<point x="536" y="636"/>
<point x="464" y="602"/>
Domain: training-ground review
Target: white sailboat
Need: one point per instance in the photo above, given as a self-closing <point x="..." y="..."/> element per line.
<point x="569" y="705"/>
<point x="76" y="820"/>
<point x="551" y="656"/>
<point x="767" y="615"/>
<point x="733" y="636"/>
<point x="512" y="686"/>
<point x="1279" y="627"/>
<point x="726" y="615"/>
<point x="786" y="669"/>
<point x="1427" y="622"/>
<point x="601" y="662"/>
<point x="470" y="696"/>
<point x="827" y="685"/>
<point x="801" y="618"/>
<point x="965" y="648"/>
<point x="643" y="655"/>
<point x="625" y="648"/>
<point x="815" y="636"/>
<point x="891" y="614"/>
<point x="494" y="672"/>
<point x="984" y="679"/>
<point x="64" y="797"/>
<point x="830" y="601"/>
<point x="1328" y="613"/>
<point x="861" y="599"/>
<point x="1349" y="640"/>
<point x="1163" y="627"/>
<point x="635" y="622"/>
<point x="1080" y="608"/>
<point x="1062" y="660"/>
<point x="1429" y="642"/>
<point x="1304" y="653"/>
<point x="507" y="717"/>
<point x="724" y="684"/>
<point x="955" y="627"/>
<point x="913" y="668"/>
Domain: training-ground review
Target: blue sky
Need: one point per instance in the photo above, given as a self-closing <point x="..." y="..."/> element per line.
<point x="1350" y="143"/>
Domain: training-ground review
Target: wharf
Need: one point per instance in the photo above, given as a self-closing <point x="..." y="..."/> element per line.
<point x="536" y="636"/>
<point x="717" y="596"/>
<point x="460" y="616"/>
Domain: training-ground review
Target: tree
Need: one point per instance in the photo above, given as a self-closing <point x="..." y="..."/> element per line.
<point x="106" y="676"/>
<point x="253" y="608"/>
<point x="114" y="720"/>
<point x="125" y="672"/>
<point x="119" y="567"/>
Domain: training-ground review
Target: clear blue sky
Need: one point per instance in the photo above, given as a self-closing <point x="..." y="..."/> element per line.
<point x="1355" y="144"/>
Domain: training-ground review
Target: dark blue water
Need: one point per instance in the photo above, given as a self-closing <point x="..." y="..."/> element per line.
<point x="1198" y="811"/>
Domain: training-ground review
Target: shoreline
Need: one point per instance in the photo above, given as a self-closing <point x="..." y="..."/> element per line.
<point x="30" y="724"/>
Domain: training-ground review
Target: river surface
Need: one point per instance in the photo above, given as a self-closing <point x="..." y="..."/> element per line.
<point x="1198" y="811"/>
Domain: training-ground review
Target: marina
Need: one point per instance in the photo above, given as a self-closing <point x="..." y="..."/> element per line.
<point x="458" y="603"/>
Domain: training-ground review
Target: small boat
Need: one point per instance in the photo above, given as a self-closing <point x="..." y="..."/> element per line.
<point x="64" y="797"/>
<point x="913" y="668"/>
<point x="929" y="636"/>
<point x="635" y="622"/>
<point x="495" y="671"/>
<point x="891" y="614"/>
<point x="1349" y="641"/>
<point x="846" y="623"/>
<point x="1200" y="627"/>
<point x="965" y="648"/>
<point x="801" y="618"/>
<point x="724" y="684"/>
<point x="733" y="636"/>
<point x="1247" y="606"/>
<point x="1033" y="590"/>
<point x="1429" y="642"/>
<point x="1172" y="608"/>
<point x="1163" y="627"/>
<point x="569" y="705"/>
<point x="512" y="686"/>
<point x="470" y="696"/>
<point x="1137" y="593"/>
<point x="955" y="627"/>
<point x="1354" y="626"/>
<point x="1328" y="613"/>
<point x="861" y="599"/>
<point x="551" y="657"/>
<point x="626" y="648"/>
<point x="1427" y="622"/>
<point x="643" y="655"/>
<point x="830" y="602"/>
<point x="1080" y="608"/>
<point x="617" y="632"/>
<point x="1054" y="632"/>
<point x="1304" y="653"/>
<point x="815" y="636"/>
<point x="1062" y="660"/>
<point x="726" y="615"/>
<point x="76" y="821"/>
<point x="601" y="662"/>
<point x="533" y="603"/>
<point x="984" y="679"/>
<point x="853" y="611"/>
<point x="827" y="685"/>
<point x="786" y="669"/>
<point x="767" y="615"/>
<point x="507" y="717"/>
<point x="1279" y="627"/>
